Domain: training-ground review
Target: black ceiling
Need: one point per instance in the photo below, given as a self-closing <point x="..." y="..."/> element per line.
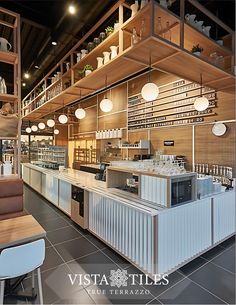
<point x="45" y="21"/>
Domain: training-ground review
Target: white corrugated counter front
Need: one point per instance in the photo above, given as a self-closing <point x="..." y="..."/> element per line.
<point x="158" y="240"/>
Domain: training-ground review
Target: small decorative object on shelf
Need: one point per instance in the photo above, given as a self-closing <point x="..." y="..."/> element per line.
<point x="134" y="38"/>
<point x="78" y="57"/>
<point x="198" y="25"/>
<point x="190" y="18"/>
<point x="8" y="121"/>
<point x="83" y="53"/>
<point x="197" y="50"/>
<point x="109" y="134"/>
<point x="3" y="87"/>
<point x="109" y="30"/>
<point x="102" y="36"/>
<point x="106" y="57"/>
<point x="96" y="41"/>
<point x="134" y="8"/>
<point x="86" y="70"/>
<point x="113" y="51"/>
<point x="206" y="30"/>
<point x="165" y="3"/>
<point x="220" y="42"/>
<point x="67" y="66"/>
<point x="90" y="46"/>
<point x="7" y="168"/>
<point x="4" y="45"/>
<point x="100" y="62"/>
<point x="116" y="25"/>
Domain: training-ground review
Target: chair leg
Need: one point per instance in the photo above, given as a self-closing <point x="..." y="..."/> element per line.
<point x="40" y="287"/>
<point x="2" y="285"/>
<point x="33" y="279"/>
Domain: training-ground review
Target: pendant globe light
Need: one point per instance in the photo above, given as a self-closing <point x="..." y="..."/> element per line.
<point x="63" y="119"/>
<point x="41" y="126"/>
<point x="56" y="131"/>
<point x="28" y="130"/>
<point x="150" y="91"/>
<point x="80" y="113"/>
<point x="34" y="128"/>
<point x="106" y="104"/>
<point x="50" y="123"/>
<point x="201" y="103"/>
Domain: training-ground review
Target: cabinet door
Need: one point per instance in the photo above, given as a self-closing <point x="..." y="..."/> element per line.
<point x="65" y="196"/>
<point x="35" y="180"/>
<point x="223" y="215"/>
<point x="51" y="190"/>
<point x="26" y="174"/>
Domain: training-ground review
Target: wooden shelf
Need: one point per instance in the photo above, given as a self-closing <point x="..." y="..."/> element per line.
<point x="193" y="36"/>
<point x="11" y="98"/>
<point x="8" y="57"/>
<point x="8" y="138"/>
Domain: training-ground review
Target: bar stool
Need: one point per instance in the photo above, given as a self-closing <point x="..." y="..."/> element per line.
<point x="20" y="260"/>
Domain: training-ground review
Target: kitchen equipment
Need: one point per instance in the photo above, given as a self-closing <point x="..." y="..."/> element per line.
<point x="190" y="18"/>
<point x="198" y="25"/>
<point x="83" y="53"/>
<point x="7" y="168"/>
<point x="78" y="57"/>
<point x="4" y="45"/>
<point x="206" y="30"/>
<point x="79" y="206"/>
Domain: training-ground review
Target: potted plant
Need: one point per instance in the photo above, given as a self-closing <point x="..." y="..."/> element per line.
<point x="197" y="50"/>
<point x="109" y="30"/>
<point x="86" y="70"/>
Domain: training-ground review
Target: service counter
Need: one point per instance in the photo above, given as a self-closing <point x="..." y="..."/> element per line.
<point x="156" y="240"/>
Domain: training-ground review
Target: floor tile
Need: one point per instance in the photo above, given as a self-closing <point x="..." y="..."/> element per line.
<point x="76" y="248"/>
<point x="96" y="263"/>
<point x="226" y="260"/>
<point x="229" y="242"/>
<point x="160" y="287"/>
<point x="115" y="257"/>
<point x="187" y="292"/>
<point x="213" y="253"/>
<point x="216" y="280"/>
<point x="53" y="224"/>
<point x="56" y="285"/>
<point x="50" y="214"/>
<point x="78" y="297"/>
<point x="96" y="242"/>
<point x="47" y="243"/>
<point x="52" y="259"/>
<point x="192" y="266"/>
<point x="62" y="235"/>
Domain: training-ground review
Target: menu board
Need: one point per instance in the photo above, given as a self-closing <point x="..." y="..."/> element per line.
<point x="174" y="106"/>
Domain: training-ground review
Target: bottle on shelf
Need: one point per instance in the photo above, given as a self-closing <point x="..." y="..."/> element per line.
<point x="159" y="27"/>
<point x="167" y="33"/>
<point x="134" y="38"/>
<point x="3" y="87"/>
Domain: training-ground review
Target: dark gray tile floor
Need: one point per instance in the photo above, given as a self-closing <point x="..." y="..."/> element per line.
<point x="70" y="250"/>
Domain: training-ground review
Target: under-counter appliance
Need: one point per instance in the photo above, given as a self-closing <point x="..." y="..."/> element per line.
<point x="183" y="190"/>
<point x="79" y="206"/>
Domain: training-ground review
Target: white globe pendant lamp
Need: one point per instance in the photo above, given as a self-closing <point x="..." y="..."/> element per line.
<point x="201" y="103"/>
<point x="50" y="123"/>
<point x="80" y="113"/>
<point x="34" y="128"/>
<point x="56" y="131"/>
<point x="106" y="105"/>
<point x="28" y="130"/>
<point x="41" y="126"/>
<point x="63" y="119"/>
<point x="150" y="92"/>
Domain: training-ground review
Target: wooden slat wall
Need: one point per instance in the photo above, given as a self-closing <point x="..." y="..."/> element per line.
<point x="207" y="145"/>
<point x="215" y="150"/>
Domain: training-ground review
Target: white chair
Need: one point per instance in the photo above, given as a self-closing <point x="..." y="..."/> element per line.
<point x="20" y="260"/>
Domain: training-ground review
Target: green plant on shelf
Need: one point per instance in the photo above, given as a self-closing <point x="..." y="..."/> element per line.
<point x="86" y="68"/>
<point x="109" y="30"/>
<point x="197" y="49"/>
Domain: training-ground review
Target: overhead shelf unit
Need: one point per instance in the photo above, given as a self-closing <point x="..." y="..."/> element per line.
<point x="10" y="25"/>
<point x="152" y="48"/>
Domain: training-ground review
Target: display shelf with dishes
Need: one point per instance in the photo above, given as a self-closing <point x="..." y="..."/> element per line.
<point x="10" y="55"/>
<point x="153" y="35"/>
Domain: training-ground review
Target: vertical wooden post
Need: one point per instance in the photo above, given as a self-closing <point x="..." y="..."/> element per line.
<point x="182" y="9"/>
<point x="121" y="34"/>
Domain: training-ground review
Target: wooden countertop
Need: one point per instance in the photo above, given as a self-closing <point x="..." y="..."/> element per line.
<point x="19" y="230"/>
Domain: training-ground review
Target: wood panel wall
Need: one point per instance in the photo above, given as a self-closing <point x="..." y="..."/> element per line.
<point x="207" y="146"/>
